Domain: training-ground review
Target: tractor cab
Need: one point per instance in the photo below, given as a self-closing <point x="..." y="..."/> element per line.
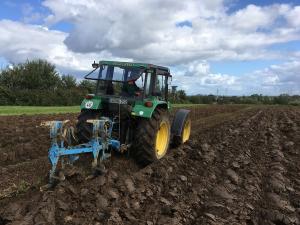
<point x="130" y="80"/>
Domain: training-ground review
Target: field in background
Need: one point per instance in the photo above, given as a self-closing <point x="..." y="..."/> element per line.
<point x="31" y="110"/>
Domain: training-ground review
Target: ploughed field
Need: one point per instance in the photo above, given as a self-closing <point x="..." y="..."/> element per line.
<point x="241" y="166"/>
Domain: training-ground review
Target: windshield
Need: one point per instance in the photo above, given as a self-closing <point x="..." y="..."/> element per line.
<point x="115" y="73"/>
<point x="129" y="88"/>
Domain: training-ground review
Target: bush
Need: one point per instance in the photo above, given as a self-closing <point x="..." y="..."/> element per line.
<point x="38" y="83"/>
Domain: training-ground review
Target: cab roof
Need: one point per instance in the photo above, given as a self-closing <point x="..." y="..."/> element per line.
<point x="135" y="64"/>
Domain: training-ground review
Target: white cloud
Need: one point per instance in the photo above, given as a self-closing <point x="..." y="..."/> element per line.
<point x="272" y="80"/>
<point x="275" y="79"/>
<point x="252" y="17"/>
<point x="146" y="31"/>
<point x="293" y="17"/>
<point x="196" y="78"/>
<point x="19" y="42"/>
<point x="198" y="68"/>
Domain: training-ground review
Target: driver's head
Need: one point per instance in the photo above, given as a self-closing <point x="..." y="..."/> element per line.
<point x="131" y="81"/>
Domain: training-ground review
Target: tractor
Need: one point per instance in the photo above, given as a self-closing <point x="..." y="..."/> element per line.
<point x="128" y="112"/>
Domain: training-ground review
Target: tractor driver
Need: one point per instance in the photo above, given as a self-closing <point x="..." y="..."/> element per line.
<point x="131" y="89"/>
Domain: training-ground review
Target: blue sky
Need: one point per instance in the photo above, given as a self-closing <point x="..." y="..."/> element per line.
<point x="18" y="10"/>
<point x="15" y="9"/>
<point x="218" y="43"/>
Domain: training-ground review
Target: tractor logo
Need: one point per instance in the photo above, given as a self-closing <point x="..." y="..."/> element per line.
<point x="89" y="104"/>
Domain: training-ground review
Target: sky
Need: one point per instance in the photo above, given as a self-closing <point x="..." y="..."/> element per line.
<point x="229" y="47"/>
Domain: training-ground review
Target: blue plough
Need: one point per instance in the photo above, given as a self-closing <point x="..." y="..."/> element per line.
<point x="100" y="144"/>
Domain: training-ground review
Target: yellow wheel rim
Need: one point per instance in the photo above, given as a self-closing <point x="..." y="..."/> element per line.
<point x="186" y="131"/>
<point x="162" y="139"/>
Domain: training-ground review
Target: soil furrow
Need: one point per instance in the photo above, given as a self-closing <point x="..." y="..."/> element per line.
<point x="240" y="167"/>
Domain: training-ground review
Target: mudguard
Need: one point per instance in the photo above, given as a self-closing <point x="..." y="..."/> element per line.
<point x="140" y="110"/>
<point x="178" y="122"/>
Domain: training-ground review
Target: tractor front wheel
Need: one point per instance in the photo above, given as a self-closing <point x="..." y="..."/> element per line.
<point x="152" y="138"/>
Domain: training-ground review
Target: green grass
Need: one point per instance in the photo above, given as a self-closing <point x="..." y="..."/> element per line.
<point x="32" y="110"/>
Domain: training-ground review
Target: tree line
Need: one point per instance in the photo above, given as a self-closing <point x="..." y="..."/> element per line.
<point x="283" y="99"/>
<point x="37" y="82"/>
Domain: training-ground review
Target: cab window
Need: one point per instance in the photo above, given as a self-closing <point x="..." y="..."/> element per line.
<point x="140" y="81"/>
<point x="148" y="85"/>
<point x="159" y="87"/>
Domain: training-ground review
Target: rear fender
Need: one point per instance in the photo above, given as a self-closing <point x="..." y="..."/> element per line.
<point x="140" y="110"/>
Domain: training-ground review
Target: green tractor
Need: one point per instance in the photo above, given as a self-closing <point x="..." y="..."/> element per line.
<point x="134" y="96"/>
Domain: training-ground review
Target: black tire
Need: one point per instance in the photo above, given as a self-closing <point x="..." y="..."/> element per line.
<point x="179" y="140"/>
<point x="84" y="129"/>
<point x="144" y="143"/>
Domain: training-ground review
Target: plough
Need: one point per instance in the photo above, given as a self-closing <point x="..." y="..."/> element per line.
<point x="100" y="145"/>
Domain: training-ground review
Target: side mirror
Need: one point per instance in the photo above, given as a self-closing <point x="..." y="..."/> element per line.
<point x="95" y="65"/>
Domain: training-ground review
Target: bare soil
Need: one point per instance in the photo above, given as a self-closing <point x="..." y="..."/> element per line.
<point x="241" y="166"/>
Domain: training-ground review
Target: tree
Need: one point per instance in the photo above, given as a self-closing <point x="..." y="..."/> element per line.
<point x="87" y="85"/>
<point x="68" y="81"/>
<point x="38" y="83"/>
<point x="181" y="94"/>
<point x="282" y="99"/>
<point x="36" y="74"/>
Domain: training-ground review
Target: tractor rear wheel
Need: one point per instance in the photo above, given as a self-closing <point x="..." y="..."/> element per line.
<point x="84" y="129"/>
<point x="152" y="138"/>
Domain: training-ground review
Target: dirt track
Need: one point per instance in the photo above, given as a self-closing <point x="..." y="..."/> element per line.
<point x="241" y="166"/>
